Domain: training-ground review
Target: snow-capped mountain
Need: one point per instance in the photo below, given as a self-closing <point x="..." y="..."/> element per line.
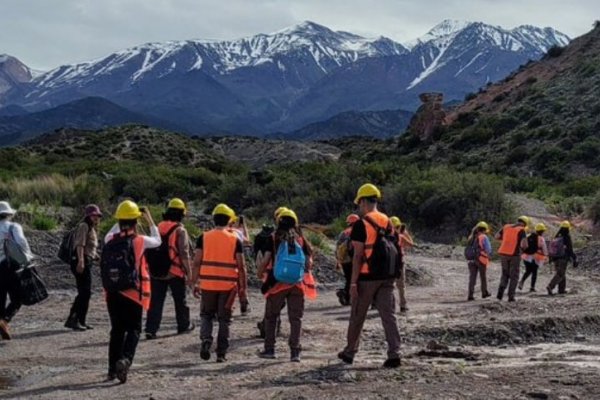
<point x="287" y="79"/>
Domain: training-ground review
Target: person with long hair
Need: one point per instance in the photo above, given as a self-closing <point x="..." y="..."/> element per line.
<point x="288" y="234"/>
<point x="479" y="238"/>
<point x="561" y="252"/>
<point x="85" y="246"/>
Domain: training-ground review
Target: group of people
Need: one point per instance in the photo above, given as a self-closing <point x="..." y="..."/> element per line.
<point x="517" y="245"/>
<point x="138" y="270"/>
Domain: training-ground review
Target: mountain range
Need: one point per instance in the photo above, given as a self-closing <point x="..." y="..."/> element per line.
<point x="284" y="81"/>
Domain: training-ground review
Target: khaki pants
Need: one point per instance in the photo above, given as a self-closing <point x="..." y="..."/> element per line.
<point x="477" y="268"/>
<point x="401" y="285"/>
<point x="510" y="276"/>
<point x="294" y="297"/>
<point x="380" y="293"/>
<point x="560" y="275"/>
<point x="216" y="304"/>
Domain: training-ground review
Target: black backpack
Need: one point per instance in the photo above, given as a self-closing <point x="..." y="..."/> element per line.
<point x="65" y="251"/>
<point x="117" y="264"/>
<point x="386" y="259"/>
<point x="159" y="260"/>
<point x="532" y="244"/>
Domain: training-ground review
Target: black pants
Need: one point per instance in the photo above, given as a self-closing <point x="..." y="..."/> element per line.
<point x="157" y="302"/>
<point x="9" y="286"/>
<point x="347" y="269"/>
<point x="216" y="304"/>
<point x="126" y="325"/>
<point x="81" y="304"/>
<point x="531" y="269"/>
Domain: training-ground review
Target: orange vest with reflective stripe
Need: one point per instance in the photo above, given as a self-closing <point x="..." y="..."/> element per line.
<point x="484" y="258"/>
<point x="176" y="264"/>
<point x="141" y="294"/>
<point x="510" y="240"/>
<point x="382" y="221"/>
<point x="219" y="269"/>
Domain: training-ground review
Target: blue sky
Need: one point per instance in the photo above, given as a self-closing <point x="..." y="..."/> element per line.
<point x="45" y="34"/>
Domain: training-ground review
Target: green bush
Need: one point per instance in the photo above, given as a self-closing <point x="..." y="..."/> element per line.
<point x="43" y="223"/>
<point x="593" y="210"/>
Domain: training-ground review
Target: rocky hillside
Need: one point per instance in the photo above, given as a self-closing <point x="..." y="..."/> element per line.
<point x="543" y="120"/>
<point x="13" y="74"/>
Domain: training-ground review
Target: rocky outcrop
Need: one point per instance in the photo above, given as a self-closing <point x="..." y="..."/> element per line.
<point x="429" y="117"/>
<point x="12" y="73"/>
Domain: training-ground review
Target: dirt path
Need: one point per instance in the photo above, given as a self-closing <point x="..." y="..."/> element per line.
<point x="538" y="347"/>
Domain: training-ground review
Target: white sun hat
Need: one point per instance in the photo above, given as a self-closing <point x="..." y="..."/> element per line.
<point x="6" y="209"/>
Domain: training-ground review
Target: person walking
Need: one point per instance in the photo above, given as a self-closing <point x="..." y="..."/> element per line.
<point x="514" y="240"/>
<point x="85" y="250"/>
<point x="175" y="243"/>
<point x="405" y="241"/>
<point x="534" y="256"/>
<point x="291" y="253"/>
<point x="480" y="241"/>
<point x="126" y="280"/>
<point x="368" y="286"/>
<point x="219" y="274"/>
<point x="9" y="281"/>
<point x="561" y="252"/>
<point x="344" y="259"/>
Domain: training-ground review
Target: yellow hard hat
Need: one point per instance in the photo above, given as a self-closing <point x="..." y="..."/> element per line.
<point x="367" y="190"/>
<point x="177" y="204"/>
<point x="278" y="211"/>
<point x="395" y="222"/>
<point x="526" y="220"/>
<point x="566" y="224"/>
<point x="288" y="213"/>
<point x="540" y="227"/>
<point x="128" y="210"/>
<point x="223" y="209"/>
<point x="484" y="225"/>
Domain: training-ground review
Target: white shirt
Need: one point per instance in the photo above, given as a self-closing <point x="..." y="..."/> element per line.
<point x="14" y="231"/>
<point x="150" y="242"/>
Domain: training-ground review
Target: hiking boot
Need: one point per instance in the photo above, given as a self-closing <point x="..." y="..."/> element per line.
<point x="261" y="329"/>
<point x="511" y="300"/>
<point x="87" y="327"/>
<point x="150" y="336"/>
<point x="4" y="330"/>
<point x="189" y="329"/>
<point x="267" y="354"/>
<point x="221" y="358"/>
<point x="392" y="363"/>
<point x="245" y="309"/>
<point x="205" y="350"/>
<point x="486" y="295"/>
<point x="111" y="376"/>
<point x="470" y="298"/>
<point x="520" y="285"/>
<point x="403" y="309"/>
<point x="532" y="290"/>
<point x="295" y="355"/>
<point x="123" y="369"/>
<point x="74" y="325"/>
<point x="499" y="296"/>
<point x="346" y="358"/>
<point x="549" y="291"/>
<point x="343" y="297"/>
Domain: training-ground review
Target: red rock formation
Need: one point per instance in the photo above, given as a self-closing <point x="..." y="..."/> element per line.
<point x="429" y="117"/>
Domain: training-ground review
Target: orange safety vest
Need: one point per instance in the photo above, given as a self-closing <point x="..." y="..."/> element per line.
<point x="382" y="221"/>
<point x="510" y="240"/>
<point x="219" y="269"/>
<point x="141" y="294"/>
<point x="176" y="263"/>
<point x="484" y="257"/>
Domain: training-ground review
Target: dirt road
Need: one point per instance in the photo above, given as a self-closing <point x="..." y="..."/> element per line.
<point x="538" y="347"/>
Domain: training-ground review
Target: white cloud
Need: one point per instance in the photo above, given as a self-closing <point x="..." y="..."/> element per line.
<point x="45" y="34"/>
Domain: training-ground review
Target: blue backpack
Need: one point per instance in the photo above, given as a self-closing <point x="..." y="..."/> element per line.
<point x="289" y="263"/>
